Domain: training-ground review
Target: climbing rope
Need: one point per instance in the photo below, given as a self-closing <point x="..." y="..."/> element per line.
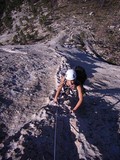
<point x="55" y="133"/>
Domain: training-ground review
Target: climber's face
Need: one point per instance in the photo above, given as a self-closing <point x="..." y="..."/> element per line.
<point x="71" y="84"/>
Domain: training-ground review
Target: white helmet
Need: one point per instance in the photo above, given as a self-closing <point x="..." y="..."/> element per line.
<point x="70" y="74"/>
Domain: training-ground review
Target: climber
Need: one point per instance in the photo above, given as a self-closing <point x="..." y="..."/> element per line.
<point x="70" y="83"/>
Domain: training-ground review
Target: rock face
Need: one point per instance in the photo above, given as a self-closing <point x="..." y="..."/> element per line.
<point x="63" y="34"/>
<point x="27" y="22"/>
<point x="33" y="127"/>
<point x="26" y="82"/>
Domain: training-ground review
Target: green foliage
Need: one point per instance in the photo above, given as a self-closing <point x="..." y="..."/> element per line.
<point x="46" y="2"/>
<point x="43" y="19"/>
<point x="25" y="35"/>
<point x="11" y="5"/>
<point x="111" y="60"/>
<point x="15" y="39"/>
<point x="2" y="6"/>
<point x="34" y="10"/>
<point x="8" y="21"/>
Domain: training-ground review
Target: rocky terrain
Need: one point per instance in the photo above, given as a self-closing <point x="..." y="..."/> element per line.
<point x="29" y="117"/>
<point x="95" y="23"/>
<point x="32" y="126"/>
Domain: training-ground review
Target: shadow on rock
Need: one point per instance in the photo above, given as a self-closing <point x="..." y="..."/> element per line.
<point x="98" y="122"/>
